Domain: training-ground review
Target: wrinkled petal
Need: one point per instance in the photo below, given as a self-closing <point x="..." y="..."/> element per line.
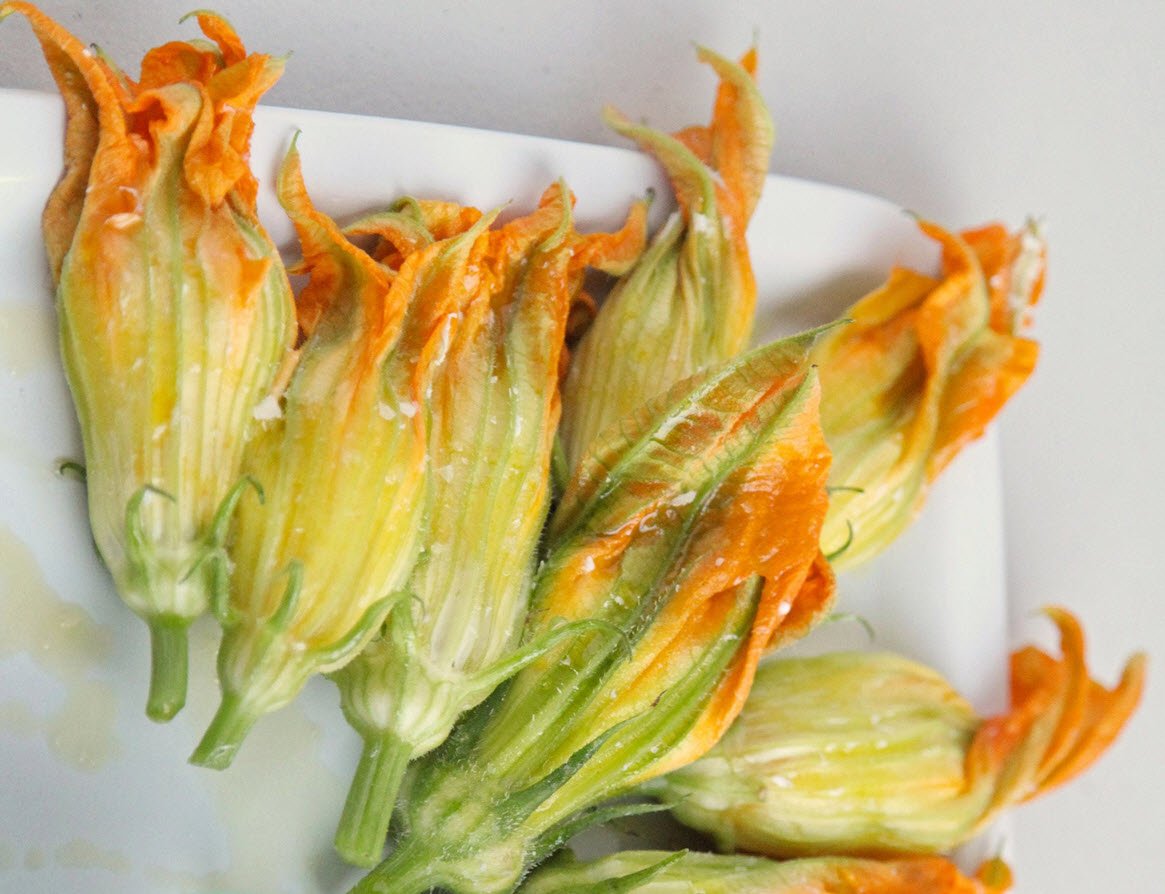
<point x="1060" y="720"/>
<point x="918" y="374"/>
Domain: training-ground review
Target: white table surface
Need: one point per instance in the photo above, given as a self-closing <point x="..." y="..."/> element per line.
<point x="962" y="111"/>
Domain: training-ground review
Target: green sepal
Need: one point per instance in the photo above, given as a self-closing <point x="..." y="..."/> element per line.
<point x="281" y="617"/>
<point x="70" y="468"/>
<point x="849" y="539"/>
<point x="139" y="551"/>
<point x="490" y="678"/>
<point x="555" y="838"/>
<point x="625" y="883"/>
<point x="213" y="551"/>
<point x="372" y="618"/>
<point x="519" y="805"/>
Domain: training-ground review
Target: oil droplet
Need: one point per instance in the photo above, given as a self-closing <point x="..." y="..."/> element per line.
<point x="275" y="818"/>
<point x="27" y="337"/>
<point x="34" y="859"/>
<point x="19" y="719"/>
<point x="175" y="882"/>
<point x="82" y="854"/>
<point x="67" y="643"/>
<point x="7" y="856"/>
<point x="60" y="636"/>
<point x="82" y="731"/>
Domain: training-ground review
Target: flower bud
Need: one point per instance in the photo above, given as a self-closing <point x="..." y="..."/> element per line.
<point x="864" y="753"/>
<point x="657" y="872"/>
<point x="174" y="310"/>
<point x="319" y="565"/>
<point x="688" y="303"/>
<point x="492" y="414"/>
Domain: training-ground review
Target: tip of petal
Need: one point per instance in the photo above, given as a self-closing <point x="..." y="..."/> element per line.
<point x="216" y="27"/>
<point x="1060" y="721"/>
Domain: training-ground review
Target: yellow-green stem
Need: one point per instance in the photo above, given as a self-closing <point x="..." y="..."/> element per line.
<point x="226" y="732"/>
<point x="408" y="870"/>
<point x="168" y="663"/>
<point x="372" y="799"/>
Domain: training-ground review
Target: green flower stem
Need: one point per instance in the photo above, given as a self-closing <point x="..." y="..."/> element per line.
<point x="408" y="870"/>
<point x="372" y="798"/>
<point x="226" y="732"/>
<point x="168" y="663"/>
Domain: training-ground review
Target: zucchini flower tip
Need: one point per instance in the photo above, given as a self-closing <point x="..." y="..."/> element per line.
<point x="1060" y="722"/>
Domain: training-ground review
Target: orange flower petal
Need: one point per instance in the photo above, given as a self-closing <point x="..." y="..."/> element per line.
<point x="999" y="251"/>
<point x="220" y="31"/>
<point x="94" y="120"/>
<point x="332" y="260"/>
<point x="741" y="133"/>
<point x="917" y="375"/>
<point x="615" y="253"/>
<point x="740" y="536"/>
<point x="1060" y="720"/>
<point x="920" y="875"/>
<point x="989" y="374"/>
<point x="807" y="608"/>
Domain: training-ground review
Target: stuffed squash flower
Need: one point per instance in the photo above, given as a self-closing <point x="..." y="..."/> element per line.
<point x="873" y="754"/>
<point x="174" y="311"/>
<point x="688" y="304"/>
<point x="656" y="872"/>
<point x="492" y="416"/>
<point x="691" y="534"/>
<point x="342" y="463"/>
<point x="922" y="369"/>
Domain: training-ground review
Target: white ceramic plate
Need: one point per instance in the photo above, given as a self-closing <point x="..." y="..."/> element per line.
<point x="96" y="798"/>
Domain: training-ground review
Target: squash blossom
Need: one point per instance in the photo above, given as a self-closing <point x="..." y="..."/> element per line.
<point x="341" y="460"/>
<point x="657" y="872"/>
<point x="872" y="754"/>
<point x="690" y="533"/>
<point x="921" y="370"/>
<point x="688" y="304"/>
<point x="492" y="416"/>
<point x="174" y="311"/>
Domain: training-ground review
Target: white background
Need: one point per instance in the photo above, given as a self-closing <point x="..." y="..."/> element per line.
<point x="962" y="111"/>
